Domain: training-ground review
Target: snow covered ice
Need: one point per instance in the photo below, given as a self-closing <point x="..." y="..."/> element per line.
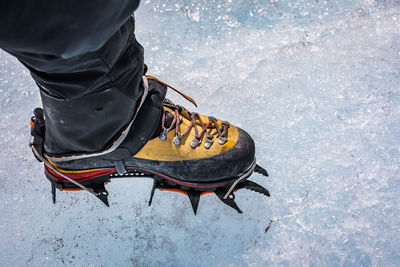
<point x="317" y="85"/>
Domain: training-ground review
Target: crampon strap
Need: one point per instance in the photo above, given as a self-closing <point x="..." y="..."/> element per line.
<point x="38" y="129"/>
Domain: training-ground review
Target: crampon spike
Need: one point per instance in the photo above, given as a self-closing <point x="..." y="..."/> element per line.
<point x="155" y="184"/>
<point x="230" y="200"/>
<point x="254" y="187"/>
<point x="194" y="197"/>
<point x="102" y="193"/>
<point x="261" y="170"/>
<point x="53" y="192"/>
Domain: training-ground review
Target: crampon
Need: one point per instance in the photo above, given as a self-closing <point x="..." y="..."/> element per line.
<point x="94" y="181"/>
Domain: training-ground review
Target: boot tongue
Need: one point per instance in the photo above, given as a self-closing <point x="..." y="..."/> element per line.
<point x="169" y="117"/>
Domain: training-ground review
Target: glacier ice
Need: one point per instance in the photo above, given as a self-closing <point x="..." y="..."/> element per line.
<point x="316" y="83"/>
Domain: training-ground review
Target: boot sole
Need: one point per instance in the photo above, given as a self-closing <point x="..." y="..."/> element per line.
<point x="101" y="176"/>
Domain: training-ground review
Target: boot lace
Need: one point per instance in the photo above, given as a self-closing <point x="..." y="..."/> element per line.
<point x="209" y="130"/>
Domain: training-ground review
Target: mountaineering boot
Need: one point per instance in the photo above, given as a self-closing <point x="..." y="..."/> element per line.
<point x="181" y="151"/>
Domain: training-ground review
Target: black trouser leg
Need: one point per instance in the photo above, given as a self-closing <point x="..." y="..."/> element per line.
<point x="88" y="98"/>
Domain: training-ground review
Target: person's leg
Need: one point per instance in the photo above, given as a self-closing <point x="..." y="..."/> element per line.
<point x="61" y="28"/>
<point x="89" y="98"/>
<point x="86" y="62"/>
<point x="88" y="66"/>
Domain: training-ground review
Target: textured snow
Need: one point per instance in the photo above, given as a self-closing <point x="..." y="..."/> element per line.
<point x="316" y="83"/>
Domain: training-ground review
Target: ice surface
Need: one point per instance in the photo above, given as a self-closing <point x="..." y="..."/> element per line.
<point x="317" y="85"/>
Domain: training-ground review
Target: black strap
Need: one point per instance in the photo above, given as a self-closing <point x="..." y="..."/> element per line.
<point x="37" y="131"/>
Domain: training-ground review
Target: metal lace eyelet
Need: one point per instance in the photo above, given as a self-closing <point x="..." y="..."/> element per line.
<point x="208" y="142"/>
<point x="163" y="135"/>
<point x="177" y="139"/>
<point x="222" y="140"/>
<point x="194" y="143"/>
